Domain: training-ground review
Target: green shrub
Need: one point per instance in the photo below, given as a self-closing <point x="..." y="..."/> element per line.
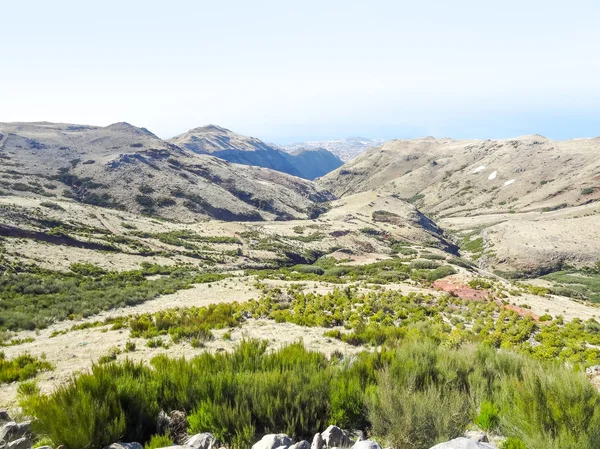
<point x="21" y="368"/>
<point x="309" y="269"/>
<point x="553" y="409"/>
<point x="158" y="441"/>
<point x="512" y="443"/>
<point x="489" y="416"/>
<point x="421" y="264"/>
<point x="417" y="418"/>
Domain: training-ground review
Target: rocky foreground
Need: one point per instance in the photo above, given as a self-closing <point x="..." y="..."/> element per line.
<point x="14" y="435"/>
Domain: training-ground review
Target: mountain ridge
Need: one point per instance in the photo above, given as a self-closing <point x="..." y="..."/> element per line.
<point x="127" y="167"/>
<point x="228" y="145"/>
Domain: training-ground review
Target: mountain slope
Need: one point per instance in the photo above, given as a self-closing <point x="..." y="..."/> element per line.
<point x="232" y="147"/>
<point x="448" y="177"/>
<point x="129" y="168"/>
<point x="493" y="193"/>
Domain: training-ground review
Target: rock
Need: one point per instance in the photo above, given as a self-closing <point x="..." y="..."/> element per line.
<point x="273" y="441"/>
<point x="8" y="431"/>
<point x="202" y="441"/>
<point x="43" y="447"/>
<point x="300" y="445"/>
<point x="366" y="444"/>
<point x="317" y="442"/>
<point x="593" y="370"/>
<point x="335" y="437"/>
<point x="4" y="416"/>
<point x="477" y="435"/>
<point x="121" y="445"/>
<point x="12" y="431"/>
<point x="21" y="443"/>
<point x="24" y="428"/>
<point x="463" y="443"/>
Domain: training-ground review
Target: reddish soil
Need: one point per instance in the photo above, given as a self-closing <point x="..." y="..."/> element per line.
<point x="523" y="312"/>
<point x="451" y="285"/>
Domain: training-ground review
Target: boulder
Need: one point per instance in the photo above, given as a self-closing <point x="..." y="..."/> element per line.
<point x="202" y="441"/>
<point x="335" y="437"/>
<point x="8" y="431"/>
<point x="4" y="416"/>
<point x="317" y="442"/>
<point x="463" y="443"/>
<point x="273" y="441"/>
<point x="477" y="435"/>
<point x="366" y="444"/>
<point x="300" y="445"/>
<point x="21" y="443"/>
<point x="121" y="445"/>
<point x="12" y="431"/>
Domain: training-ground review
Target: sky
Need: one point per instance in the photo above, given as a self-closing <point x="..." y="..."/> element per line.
<point x="289" y="71"/>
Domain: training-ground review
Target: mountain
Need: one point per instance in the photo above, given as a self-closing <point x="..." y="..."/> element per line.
<point x="345" y="149"/>
<point x="232" y="147"/>
<point x="129" y="168"/>
<point x="527" y="203"/>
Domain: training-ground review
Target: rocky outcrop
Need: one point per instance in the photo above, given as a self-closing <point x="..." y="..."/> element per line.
<point x="335" y="437"/>
<point x="14" y="435"/>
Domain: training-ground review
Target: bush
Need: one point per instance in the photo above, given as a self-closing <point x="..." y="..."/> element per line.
<point x="421" y="264"/>
<point x="417" y="418"/>
<point x="489" y="416"/>
<point x="21" y="368"/>
<point x="513" y="443"/>
<point x="309" y="269"/>
<point x="551" y="409"/>
<point x="158" y="441"/>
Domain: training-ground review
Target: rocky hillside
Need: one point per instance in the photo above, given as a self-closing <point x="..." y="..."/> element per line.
<point x="528" y="202"/>
<point x="129" y="168"/>
<point x="232" y="147"/>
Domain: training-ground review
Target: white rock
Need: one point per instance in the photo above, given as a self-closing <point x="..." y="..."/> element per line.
<point x="300" y="445"/>
<point x="478" y="169"/>
<point x="317" y="442"/>
<point x="273" y="441"/>
<point x="121" y="445"/>
<point x="463" y="443"/>
<point x="335" y="437"/>
<point x="493" y="175"/>
<point x="201" y="441"/>
<point x="366" y="444"/>
<point x="509" y="182"/>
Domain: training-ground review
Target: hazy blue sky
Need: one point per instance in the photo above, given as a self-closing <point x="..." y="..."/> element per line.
<point x="293" y="70"/>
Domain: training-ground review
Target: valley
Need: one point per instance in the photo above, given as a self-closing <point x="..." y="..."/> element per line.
<point x="128" y="261"/>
